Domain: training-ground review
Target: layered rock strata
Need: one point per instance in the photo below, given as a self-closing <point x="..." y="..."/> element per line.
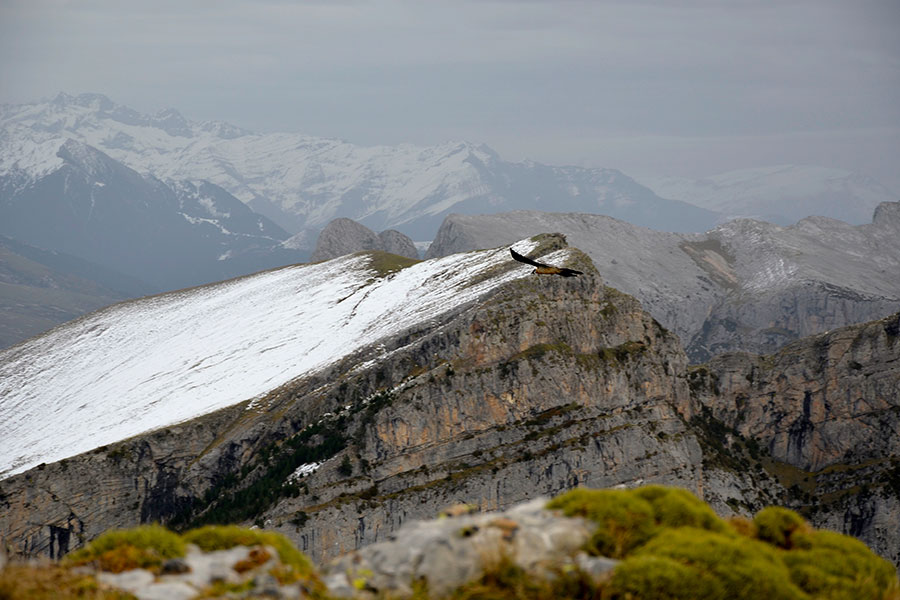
<point x="825" y="413"/>
<point x="544" y="385"/>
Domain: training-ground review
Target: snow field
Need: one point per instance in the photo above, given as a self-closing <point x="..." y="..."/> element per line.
<point x="157" y="361"/>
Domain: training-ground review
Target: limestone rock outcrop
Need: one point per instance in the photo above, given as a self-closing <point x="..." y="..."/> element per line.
<point x="744" y="286"/>
<point x="395" y="242"/>
<point x="345" y="236"/>
<point x="450" y="552"/>
<point x="545" y="385"/>
<point x="825" y="411"/>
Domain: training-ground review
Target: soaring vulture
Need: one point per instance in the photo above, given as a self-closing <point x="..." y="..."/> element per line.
<point x="542" y="269"/>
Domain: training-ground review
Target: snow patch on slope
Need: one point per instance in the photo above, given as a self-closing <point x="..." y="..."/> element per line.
<point x="35" y="159"/>
<point x="157" y="361"/>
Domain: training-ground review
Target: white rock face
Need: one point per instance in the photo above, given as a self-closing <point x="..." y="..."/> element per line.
<point x="449" y="552"/>
<point x="203" y="569"/>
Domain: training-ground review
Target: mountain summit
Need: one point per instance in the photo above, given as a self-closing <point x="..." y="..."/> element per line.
<point x="744" y="285"/>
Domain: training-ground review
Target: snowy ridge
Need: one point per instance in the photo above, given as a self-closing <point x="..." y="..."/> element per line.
<point x="153" y="362"/>
<point x="764" y="263"/>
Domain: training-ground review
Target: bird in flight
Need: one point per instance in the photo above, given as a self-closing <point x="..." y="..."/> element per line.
<point x="542" y="269"/>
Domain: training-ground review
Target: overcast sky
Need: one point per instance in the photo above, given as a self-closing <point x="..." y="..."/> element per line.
<point x="646" y="86"/>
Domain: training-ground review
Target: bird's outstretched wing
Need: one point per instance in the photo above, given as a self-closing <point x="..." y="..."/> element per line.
<point x="526" y="260"/>
<point x="544" y="269"/>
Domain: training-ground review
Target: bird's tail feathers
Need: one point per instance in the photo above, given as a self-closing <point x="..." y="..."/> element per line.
<point x="569" y="272"/>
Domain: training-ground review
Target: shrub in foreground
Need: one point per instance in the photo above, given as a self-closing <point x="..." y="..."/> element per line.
<point x="838" y="567"/>
<point x="145" y="547"/>
<point x="673" y="546"/>
<point x="22" y="582"/>
<point x="627" y="519"/>
<point x="740" y="566"/>
<point x="777" y="526"/>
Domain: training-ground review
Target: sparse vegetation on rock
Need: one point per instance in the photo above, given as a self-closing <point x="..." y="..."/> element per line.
<point x="669" y="545"/>
<point x="143" y="547"/>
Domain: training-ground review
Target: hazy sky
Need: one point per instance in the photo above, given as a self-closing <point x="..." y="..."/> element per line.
<point x="646" y="86"/>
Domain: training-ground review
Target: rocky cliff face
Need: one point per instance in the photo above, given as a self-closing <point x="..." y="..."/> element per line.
<point x="746" y="285"/>
<point x="544" y="385"/>
<point x="827" y="408"/>
<point x="547" y="384"/>
<point x="345" y="236"/>
<point x="583" y="388"/>
<point x="395" y="242"/>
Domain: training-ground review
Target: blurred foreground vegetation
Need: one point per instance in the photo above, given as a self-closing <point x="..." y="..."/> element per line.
<point x="671" y="546"/>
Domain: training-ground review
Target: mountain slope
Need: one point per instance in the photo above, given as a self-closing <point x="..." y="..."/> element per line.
<point x="536" y="385"/>
<point x="745" y="285"/>
<point x="84" y="203"/>
<point x="40" y="289"/>
<point x="302" y="182"/>
<point x="157" y="361"/>
<point x="781" y="194"/>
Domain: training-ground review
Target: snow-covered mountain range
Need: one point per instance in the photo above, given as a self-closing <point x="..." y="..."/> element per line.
<point x="781" y="194"/>
<point x="149" y="363"/>
<point x="69" y="197"/>
<point x="303" y="182"/>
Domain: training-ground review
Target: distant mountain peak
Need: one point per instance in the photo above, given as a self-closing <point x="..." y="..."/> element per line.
<point x="85" y="157"/>
<point x="67" y="113"/>
<point x="224" y="130"/>
<point x="302" y="182"/>
<point x="172" y="122"/>
<point x="345" y="236"/>
<point x="887" y="214"/>
<point x="62" y="99"/>
<point x="93" y="101"/>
